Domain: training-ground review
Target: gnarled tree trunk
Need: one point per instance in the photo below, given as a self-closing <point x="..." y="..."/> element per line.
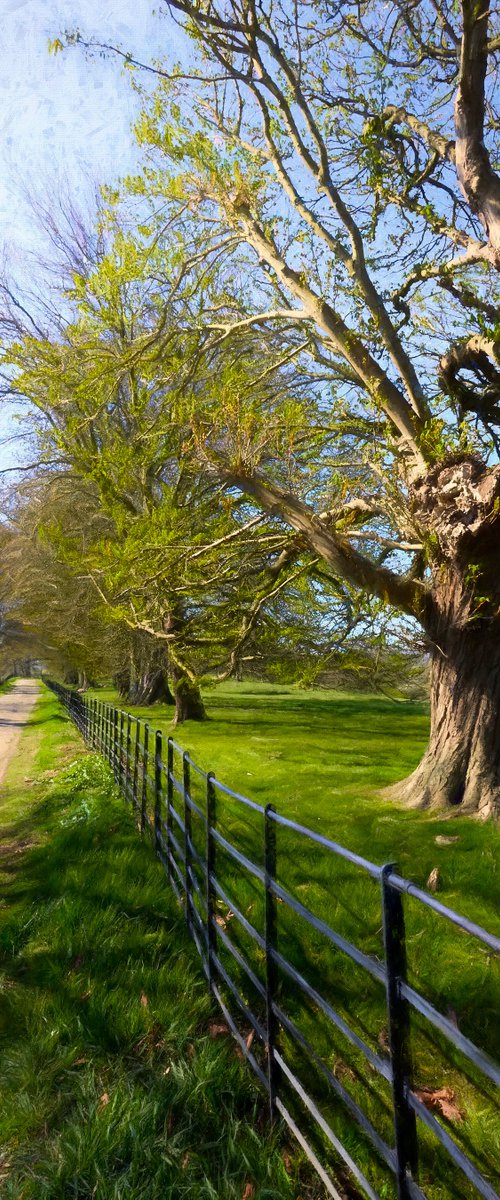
<point x="152" y="688"/>
<point x="460" y="770"/>
<point x="461" y="767"/>
<point x="189" y="705"/>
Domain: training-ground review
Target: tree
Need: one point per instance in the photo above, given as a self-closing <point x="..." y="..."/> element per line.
<point x="349" y="154"/>
<point x="178" y="562"/>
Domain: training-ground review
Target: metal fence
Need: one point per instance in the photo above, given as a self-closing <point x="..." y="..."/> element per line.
<point x="170" y="796"/>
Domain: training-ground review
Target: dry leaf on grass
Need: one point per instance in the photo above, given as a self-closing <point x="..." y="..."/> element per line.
<point x="249" y="1039"/>
<point x="248" y="1192"/>
<point x="443" y="1099"/>
<point x="103" y="1101"/>
<point x="185" y="1161"/>
<point x="342" y="1071"/>
<point x="144" y="1000"/>
<point x="218" y="1029"/>
<point x="433" y="880"/>
<point x="442" y="840"/>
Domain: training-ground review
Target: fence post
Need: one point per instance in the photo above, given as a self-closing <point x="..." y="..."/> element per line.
<point x="127" y="758"/>
<point x="170" y="801"/>
<point x="211" y="867"/>
<point x="144" y="790"/>
<point x="158" y="748"/>
<point x="115" y="744"/>
<point x="135" y="778"/>
<point x="271" y="931"/>
<point x="120" y="751"/>
<point x="398" y="1020"/>
<point x="187" y="839"/>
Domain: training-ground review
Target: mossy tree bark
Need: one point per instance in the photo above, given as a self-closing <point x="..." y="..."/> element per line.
<point x="460" y="770"/>
<point x="189" y="704"/>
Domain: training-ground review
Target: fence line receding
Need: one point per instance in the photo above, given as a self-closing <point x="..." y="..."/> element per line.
<point x="266" y="987"/>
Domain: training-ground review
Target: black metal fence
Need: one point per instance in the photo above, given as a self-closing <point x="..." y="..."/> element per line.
<point x="182" y="808"/>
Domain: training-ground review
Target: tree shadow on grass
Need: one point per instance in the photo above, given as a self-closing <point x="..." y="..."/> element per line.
<point x="104" y="997"/>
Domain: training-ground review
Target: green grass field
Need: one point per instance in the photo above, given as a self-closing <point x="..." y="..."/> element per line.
<point x="115" y="1078"/>
<point x="321" y="758"/>
<point x="112" y="1083"/>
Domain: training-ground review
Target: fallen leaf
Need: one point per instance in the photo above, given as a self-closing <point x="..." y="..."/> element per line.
<point x="249" y="1039"/>
<point x="248" y="1192"/>
<point x="287" y="1161"/>
<point x="86" y="995"/>
<point x="144" y="1000"/>
<point x="342" y="1070"/>
<point x="185" y="1161"/>
<point x="79" y="1062"/>
<point x="433" y="880"/>
<point x="104" y="1100"/>
<point x="441" y="840"/>
<point x="383" y="1039"/>
<point x="216" y="1028"/>
<point x="443" y="1099"/>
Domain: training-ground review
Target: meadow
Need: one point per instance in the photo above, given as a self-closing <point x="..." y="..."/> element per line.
<point x="90" y="928"/>
<point x="116" y="1080"/>
<point x="321" y="758"/>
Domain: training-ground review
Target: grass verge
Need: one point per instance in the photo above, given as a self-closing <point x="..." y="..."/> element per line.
<point x="116" y="1079"/>
<point x="321" y="758"/>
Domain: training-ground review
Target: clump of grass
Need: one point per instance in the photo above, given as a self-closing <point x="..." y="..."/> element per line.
<point x="112" y="1083"/>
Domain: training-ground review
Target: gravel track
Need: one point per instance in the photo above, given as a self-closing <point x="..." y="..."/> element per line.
<point x="15" y="708"/>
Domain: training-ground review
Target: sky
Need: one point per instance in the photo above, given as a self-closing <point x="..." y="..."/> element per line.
<point x="64" y="119"/>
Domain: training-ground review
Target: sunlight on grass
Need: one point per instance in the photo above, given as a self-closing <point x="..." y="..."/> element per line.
<point x="112" y="1084"/>
<point x="299" y="750"/>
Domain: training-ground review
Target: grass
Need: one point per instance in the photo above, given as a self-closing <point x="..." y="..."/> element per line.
<point x="116" y="1081"/>
<point x="6" y="685"/>
<point x="321" y="758"/>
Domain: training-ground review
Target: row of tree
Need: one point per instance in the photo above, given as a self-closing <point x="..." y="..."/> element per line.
<point x="271" y="372"/>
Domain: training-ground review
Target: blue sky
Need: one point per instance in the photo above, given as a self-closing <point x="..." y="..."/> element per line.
<point x="64" y="119"/>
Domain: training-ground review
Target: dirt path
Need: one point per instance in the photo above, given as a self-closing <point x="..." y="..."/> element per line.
<point x="15" y="708"/>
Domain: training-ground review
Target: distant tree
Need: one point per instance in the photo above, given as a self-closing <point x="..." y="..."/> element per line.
<point x="179" y="561"/>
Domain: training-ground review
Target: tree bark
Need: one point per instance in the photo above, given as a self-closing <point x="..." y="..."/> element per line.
<point x="152" y="688"/>
<point x="189" y="705"/>
<point x="460" y="771"/>
<point x="478" y="180"/>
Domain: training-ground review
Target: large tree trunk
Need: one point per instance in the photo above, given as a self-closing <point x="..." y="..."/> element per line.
<point x="460" y="770"/>
<point x="189" y="705"/>
<point x="152" y="688"/>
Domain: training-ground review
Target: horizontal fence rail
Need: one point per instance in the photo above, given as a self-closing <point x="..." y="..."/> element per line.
<point x="160" y="781"/>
